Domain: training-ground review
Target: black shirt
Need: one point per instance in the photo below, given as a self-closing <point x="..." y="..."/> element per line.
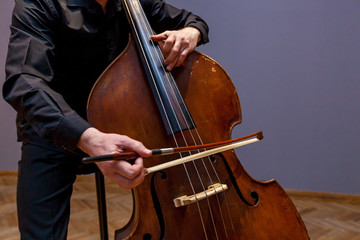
<point x="57" y="50"/>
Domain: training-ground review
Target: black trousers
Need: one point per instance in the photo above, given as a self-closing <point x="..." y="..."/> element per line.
<point x="45" y="181"/>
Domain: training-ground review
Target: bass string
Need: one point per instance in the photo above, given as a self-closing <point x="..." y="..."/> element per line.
<point x="195" y="167"/>
<point x="168" y="77"/>
<point x="167" y="118"/>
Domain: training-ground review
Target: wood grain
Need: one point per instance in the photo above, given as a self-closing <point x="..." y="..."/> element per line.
<point x="327" y="216"/>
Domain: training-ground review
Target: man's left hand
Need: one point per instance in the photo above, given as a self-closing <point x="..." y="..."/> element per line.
<point x="177" y="44"/>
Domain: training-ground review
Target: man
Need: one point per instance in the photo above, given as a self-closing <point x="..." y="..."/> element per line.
<point x="57" y="50"/>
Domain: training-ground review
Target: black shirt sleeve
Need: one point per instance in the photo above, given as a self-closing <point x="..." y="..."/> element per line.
<point x="29" y="70"/>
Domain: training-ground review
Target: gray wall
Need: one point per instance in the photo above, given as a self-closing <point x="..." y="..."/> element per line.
<point x="296" y="66"/>
<point x="9" y="148"/>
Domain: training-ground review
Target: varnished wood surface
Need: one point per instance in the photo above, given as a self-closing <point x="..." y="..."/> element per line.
<point x="327" y="216"/>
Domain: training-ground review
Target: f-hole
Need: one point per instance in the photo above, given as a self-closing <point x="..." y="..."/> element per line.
<point x="157" y="206"/>
<point x="254" y="195"/>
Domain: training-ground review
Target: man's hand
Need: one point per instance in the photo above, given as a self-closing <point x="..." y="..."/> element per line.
<point x="127" y="175"/>
<point x="176" y="45"/>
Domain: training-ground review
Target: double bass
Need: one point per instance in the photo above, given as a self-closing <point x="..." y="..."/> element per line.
<point x="194" y="104"/>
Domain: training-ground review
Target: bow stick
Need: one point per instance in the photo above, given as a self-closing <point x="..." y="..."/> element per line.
<point x="201" y="155"/>
<point x="127" y="156"/>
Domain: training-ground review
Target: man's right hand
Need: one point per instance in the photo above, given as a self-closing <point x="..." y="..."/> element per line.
<point x="126" y="175"/>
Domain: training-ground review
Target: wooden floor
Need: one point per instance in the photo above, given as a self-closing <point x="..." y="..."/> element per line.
<point x="326" y="216"/>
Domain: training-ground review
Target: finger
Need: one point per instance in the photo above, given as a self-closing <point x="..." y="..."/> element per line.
<point x="161" y="44"/>
<point x="136" y="146"/>
<point x="159" y="37"/>
<point x="133" y="175"/>
<point x="180" y="58"/>
<point x="168" y="46"/>
<point x="171" y="65"/>
<point x="127" y="183"/>
<point x="173" y="53"/>
<point x="129" y="171"/>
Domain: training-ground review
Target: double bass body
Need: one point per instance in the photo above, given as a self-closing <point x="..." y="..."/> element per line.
<point x="122" y="101"/>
